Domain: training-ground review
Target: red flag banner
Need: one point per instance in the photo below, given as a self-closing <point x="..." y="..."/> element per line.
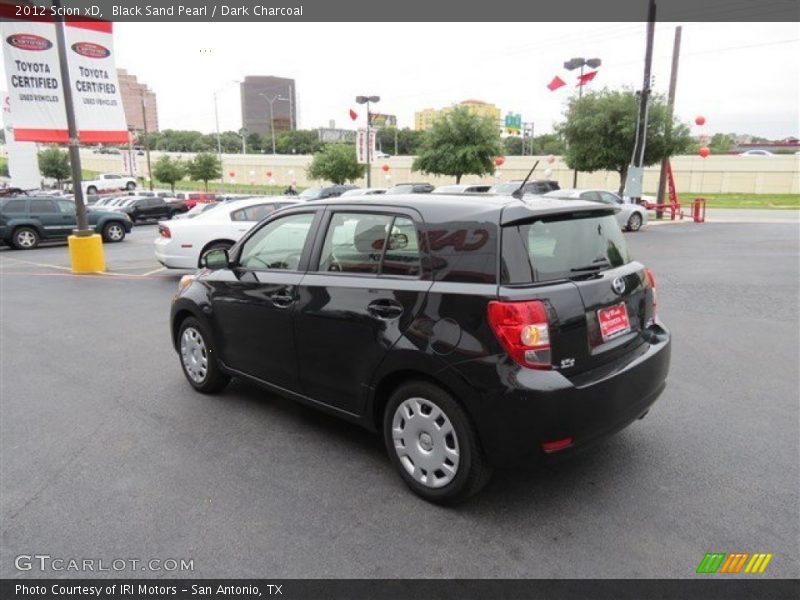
<point x="586" y="78"/>
<point x="556" y="83"/>
<point x="353" y="114"/>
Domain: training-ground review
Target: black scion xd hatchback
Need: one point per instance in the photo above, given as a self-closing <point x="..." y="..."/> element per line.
<point x="471" y="332"/>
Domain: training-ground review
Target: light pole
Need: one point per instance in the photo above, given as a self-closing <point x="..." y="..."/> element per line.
<point x="219" y="139"/>
<point x="272" y="100"/>
<point x="571" y="65"/>
<point x="366" y="100"/>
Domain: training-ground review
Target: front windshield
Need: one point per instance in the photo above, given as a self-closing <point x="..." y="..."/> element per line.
<point x="311" y="193"/>
<point x="400" y="189"/>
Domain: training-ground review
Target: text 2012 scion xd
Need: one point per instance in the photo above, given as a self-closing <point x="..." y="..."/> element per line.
<point x="471" y="332"/>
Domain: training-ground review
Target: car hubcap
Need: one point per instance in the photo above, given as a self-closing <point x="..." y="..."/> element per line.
<point x="115" y="233"/>
<point x="636" y="222"/>
<point x="194" y="354"/>
<point x="425" y="442"/>
<point x="26" y="239"/>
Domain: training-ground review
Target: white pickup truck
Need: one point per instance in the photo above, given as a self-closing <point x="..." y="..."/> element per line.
<point x="108" y="182"/>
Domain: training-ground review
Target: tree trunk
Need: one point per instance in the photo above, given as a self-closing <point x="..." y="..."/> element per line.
<point x="623" y="174"/>
<point x="205" y="181"/>
<point x="458" y="179"/>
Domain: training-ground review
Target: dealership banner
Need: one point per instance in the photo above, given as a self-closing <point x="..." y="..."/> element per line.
<point x="36" y="91"/>
<point x="23" y="162"/>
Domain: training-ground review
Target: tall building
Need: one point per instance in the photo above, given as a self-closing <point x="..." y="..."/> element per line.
<point x="423" y="119"/>
<point x="132" y="91"/>
<point x="258" y="92"/>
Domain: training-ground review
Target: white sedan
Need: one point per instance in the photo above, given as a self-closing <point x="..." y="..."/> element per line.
<point x="181" y="244"/>
<point x="630" y="216"/>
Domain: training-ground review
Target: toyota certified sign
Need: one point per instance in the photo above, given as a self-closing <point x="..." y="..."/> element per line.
<point x="90" y="50"/>
<point x="29" y="41"/>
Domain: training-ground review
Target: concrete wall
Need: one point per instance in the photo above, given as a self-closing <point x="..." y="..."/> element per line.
<point x="716" y="174"/>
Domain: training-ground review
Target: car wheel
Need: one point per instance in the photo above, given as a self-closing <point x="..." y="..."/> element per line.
<point x="198" y="361"/>
<point x="433" y="445"/>
<point x="113" y="232"/>
<point x="25" y="238"/>
<point x="210" y="247"/>
<point x="91" y="190"/>
<point x="635" y="222"/>
<point x="130" y="186"/>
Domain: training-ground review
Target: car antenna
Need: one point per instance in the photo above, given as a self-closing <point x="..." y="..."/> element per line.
<point x="518" y="192"/>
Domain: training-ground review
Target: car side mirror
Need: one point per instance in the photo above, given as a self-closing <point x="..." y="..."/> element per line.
<point x="216" y="259"/>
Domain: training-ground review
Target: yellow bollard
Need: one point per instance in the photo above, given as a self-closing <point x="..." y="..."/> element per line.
<point x="86" y="254"/>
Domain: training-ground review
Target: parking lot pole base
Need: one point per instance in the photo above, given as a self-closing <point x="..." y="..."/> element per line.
<point x="86" y="253"/>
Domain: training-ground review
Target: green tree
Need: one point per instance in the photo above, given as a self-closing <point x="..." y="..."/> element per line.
<point x="549" y="143"/>
<point x="512" y="146"/>
<point x="169" y="170"/>
<point x="600" y="128"/>
<point x="336" y="163"/>
<point x="722" y="143"/>
<point x="204" y="167"/>
<point x="459" y="144"/>
<point x="54" y="162"/>
<point x="254" y="142"/>
<point x="299" y="141"/>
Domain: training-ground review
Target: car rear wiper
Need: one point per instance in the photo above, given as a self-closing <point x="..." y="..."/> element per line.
<point x="595" y="266"/>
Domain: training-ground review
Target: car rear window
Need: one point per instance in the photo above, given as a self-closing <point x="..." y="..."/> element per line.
<point x="560" y="248"/>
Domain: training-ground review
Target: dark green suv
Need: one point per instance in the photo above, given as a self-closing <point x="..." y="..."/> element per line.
<point x="27" y="220"/>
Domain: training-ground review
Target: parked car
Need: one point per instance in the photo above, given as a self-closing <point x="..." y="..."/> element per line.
<point x="757" y="153"/>
<point x="410" y="188"/>
<point x="476" y="188"/>
<point x="537" y="187"/>
<point x="191" y="199"/>
<point x="108" y="182"/>
<point x="148" y="208"/>
<point x="320" y="193"/>
<point x="470" y="331"/>
<point x="27" y="221"/>
<point x="182" y="243"/>
<point x="364" y="192"/>
<point x="630" y="216"/>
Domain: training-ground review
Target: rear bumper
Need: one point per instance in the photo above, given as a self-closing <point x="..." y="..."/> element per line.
<point x="544" y="406"/>
<point x="169" y="254"/>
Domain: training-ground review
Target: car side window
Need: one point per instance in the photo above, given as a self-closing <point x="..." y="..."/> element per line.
<point x="593" y="196"/>
<point x="402" y="251"/>
<point x="15" y="206"/>
<point x="354" y="243"/>
<point x="66" y="207"/>
<point x="252" y="213"/>
<point x="610" y="198"/>
<point x="277" y="245"/>
<point x="43" y="206"/>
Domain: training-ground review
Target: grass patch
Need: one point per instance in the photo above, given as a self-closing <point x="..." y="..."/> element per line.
<point x="775" y="201"/>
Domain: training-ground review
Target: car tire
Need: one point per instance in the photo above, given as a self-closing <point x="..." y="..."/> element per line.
<point x="113" y="232"/>
<point x="433" y="444"/>
<point x="198" y="358"/>
<point x="210" y="247"/>
<point x="635" y="222"/>
<point x="130" y="186"/>
<point x="91" y="190"/>
<point x="25" y="238"/>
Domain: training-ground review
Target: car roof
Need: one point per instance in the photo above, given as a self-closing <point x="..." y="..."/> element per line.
<point x="501" y="208"/>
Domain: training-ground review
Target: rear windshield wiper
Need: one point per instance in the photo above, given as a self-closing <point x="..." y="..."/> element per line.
<point x="595" y="266"/>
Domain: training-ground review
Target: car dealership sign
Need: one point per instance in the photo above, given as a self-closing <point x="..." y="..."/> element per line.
<point x="36" y="91"/>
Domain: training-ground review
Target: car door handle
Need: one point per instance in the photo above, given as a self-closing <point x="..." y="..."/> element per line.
<point x="282" y="300"/>
<point x="385" y="309"/>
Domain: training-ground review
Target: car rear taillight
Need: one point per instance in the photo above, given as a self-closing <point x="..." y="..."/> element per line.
<point x="651" y="279"/>
<point x="522" y="329"/>
<point x="164" y="231"/>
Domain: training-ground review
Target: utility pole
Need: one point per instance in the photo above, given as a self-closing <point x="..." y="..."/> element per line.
<point x="673" y="82"/>
<point x="130" y="152"/>
<point x="635" y="171"/>
<point x="72" y="127"/>
<point x="580" y="62"/>
<point x="146" y="142"/>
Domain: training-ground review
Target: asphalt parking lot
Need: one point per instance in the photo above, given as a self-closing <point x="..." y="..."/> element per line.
<point x="106" y="452"/>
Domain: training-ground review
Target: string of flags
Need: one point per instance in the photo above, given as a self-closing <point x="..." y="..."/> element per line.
<point x="557" y="82"/>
